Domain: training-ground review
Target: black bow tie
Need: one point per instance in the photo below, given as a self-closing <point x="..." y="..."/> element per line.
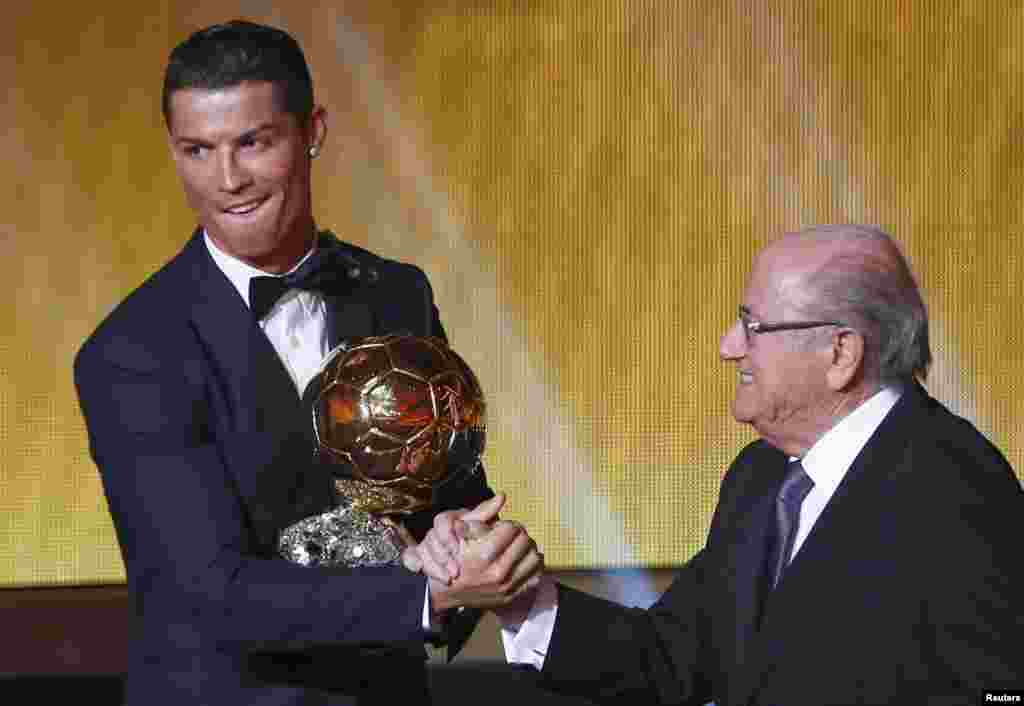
<point x="326" y="270"/>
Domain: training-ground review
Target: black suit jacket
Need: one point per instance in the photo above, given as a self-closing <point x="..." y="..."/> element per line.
<point x="908" y="590"/>
<point x="205" y="455"/>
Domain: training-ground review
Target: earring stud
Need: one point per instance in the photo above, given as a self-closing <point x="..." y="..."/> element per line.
<point x="313" y="151"/>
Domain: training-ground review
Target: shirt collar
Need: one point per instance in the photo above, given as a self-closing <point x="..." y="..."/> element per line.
<point x="239" y="273"/>
<point x="832" y="455"/>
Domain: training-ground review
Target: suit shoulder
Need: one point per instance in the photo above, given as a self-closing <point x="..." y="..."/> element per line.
<point x="955" y="453"/>
<point x="383" y="265"/>
<point x="755" y="454"/>
<point x="405" y="272"/>
<point x="752" y="465"/>
<point x="148" y="321"/>
<point x="754" y="451"/>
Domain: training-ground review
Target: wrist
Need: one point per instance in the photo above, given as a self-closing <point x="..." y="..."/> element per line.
<point x="441" y="600"/>
<point x="512" y="615"/>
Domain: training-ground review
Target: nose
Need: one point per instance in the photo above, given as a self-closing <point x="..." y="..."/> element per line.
<point x="733" y="345"/>
<point x="233" y="176"/>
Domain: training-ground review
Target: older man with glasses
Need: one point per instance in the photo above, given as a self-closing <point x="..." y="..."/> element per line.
<point x="865" y="550"/>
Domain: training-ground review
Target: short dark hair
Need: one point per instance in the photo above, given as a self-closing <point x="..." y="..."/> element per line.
<point x="225" y="55"/>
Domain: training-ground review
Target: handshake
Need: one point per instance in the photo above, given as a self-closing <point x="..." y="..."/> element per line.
<point x="471" y="558"/>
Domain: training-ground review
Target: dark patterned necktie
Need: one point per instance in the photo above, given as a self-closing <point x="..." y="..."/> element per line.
<point x="324" y="271"/>
<point x="795" y="487"/>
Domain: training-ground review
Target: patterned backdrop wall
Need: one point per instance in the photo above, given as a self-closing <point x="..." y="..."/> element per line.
<point x="585" y="183"/>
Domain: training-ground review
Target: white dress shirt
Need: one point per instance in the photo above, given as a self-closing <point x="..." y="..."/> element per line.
<point x="832" y="455"/>
<point x="296" y="325"/>
<point x="827" y="463"/>
<point x="297" y="328"/>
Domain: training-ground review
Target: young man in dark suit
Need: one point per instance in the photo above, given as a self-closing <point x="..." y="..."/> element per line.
<point x="866" y="550"/>
<point x="191" y="393"/>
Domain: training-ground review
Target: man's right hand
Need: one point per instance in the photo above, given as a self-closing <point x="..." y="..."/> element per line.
<point x="473" y="559"/>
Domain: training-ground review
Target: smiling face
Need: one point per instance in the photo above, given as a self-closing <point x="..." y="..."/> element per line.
<point x="782" y="389"/>
<point x="245" y="166"/>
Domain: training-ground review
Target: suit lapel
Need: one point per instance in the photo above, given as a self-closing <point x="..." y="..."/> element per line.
<point x="259" y="391"/>
<point x="349" y="313"/>
<point x="348" y="316"/>
<point x="264" y="431"/>
<point x="261" y="427"/>
<point x="834" y="538"/>
<point x="261" y="431"/>
<point x="259" y="388"/>
<point x="860" y="488"/>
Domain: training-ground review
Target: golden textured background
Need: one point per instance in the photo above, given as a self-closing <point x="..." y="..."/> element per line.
<point x="585" y="183"/>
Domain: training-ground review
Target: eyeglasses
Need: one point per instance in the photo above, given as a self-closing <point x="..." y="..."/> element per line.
<point x="752" y="326"/>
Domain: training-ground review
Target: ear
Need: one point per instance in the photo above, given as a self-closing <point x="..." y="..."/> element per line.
<point x="847" y="362"/>
<point x="317" y="128"/>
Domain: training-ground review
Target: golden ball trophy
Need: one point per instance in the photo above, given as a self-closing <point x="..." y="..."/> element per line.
<point x="399" y="416"/>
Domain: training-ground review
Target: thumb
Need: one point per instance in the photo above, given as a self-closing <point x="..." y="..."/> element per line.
<point x="485" y="511"/>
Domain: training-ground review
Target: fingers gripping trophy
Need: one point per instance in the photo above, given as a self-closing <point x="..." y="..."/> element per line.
<point x="397" y="416"/>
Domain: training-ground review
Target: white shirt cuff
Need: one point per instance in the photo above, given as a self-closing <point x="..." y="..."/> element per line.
<point x="430" y="625"/>
<point x="528" y="643"/>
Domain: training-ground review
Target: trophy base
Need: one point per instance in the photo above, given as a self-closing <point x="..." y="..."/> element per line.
<point x="342" y="537"/>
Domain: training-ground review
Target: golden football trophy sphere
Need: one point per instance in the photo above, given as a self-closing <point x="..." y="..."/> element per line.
<point x="399" y="416"/>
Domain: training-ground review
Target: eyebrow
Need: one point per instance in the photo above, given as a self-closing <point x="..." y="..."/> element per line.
<point x="264" y="127"/>
<point x="248" y="134"/>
